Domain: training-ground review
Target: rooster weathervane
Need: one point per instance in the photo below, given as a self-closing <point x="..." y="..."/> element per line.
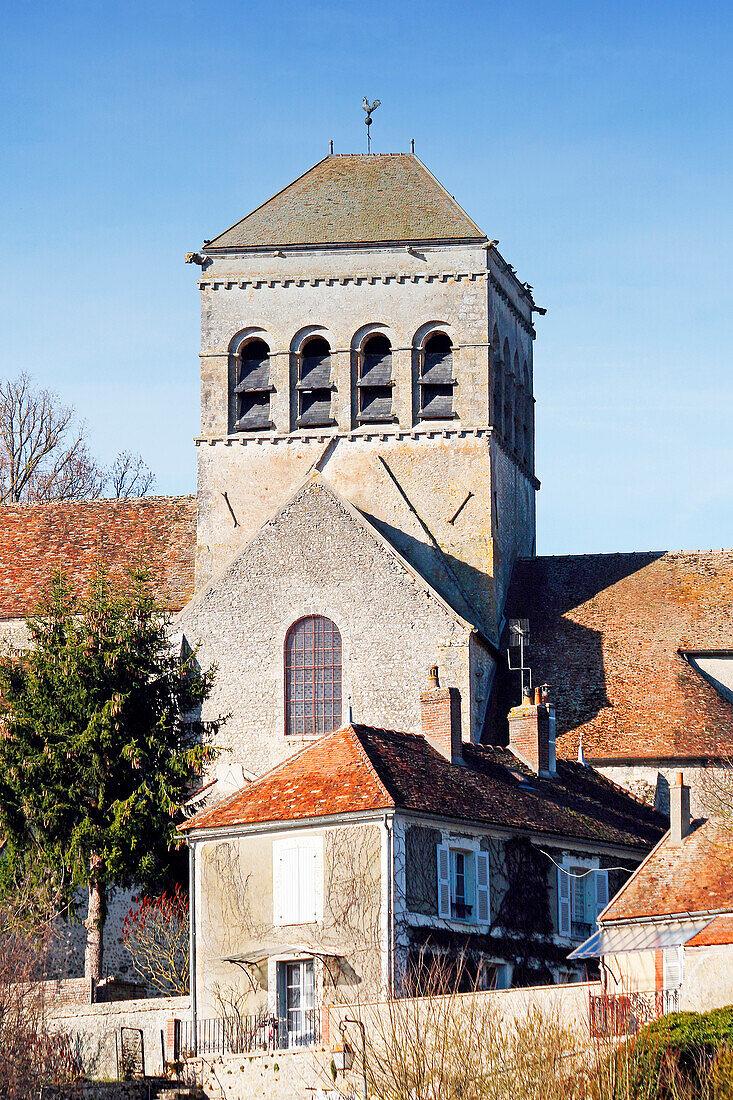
<point x="369" y="107"/>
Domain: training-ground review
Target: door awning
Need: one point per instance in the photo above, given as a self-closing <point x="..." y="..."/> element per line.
<point x="620" y="939"/>
<point x="260" y="952"/>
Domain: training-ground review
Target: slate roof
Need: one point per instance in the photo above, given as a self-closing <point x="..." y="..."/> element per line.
<point x="359" y="768"/>
<point x="694" y="877"/>
<point x="35" y="539"/>
<point x="606" y="631"/>
<point x="354" y="199"/>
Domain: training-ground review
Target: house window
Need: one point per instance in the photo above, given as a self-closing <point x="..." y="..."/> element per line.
<point x="296" y="1003"/>
<point x="314" y="384"/>
<point x="463" y="884"/>
<point x="253" y="387"/>
<point x="312" y="677"/>
<point x="297" y="880"/>
<point x="374" y="382"/>
<point x="582" y="893"/>
<point x="436" y="379"/>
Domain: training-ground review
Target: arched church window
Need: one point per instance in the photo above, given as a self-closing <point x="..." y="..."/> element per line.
<point x="527" y="416"/>
<point x="374" y="382"/>
<point x="312" y="677"/>
<point x="518" y="407"/>
<point x="498" y="382"/>
<point x="253" y="387"/>
<point x="507" y="415"/>
<point x="314" y="384"/>
<point x="436" y="379"/>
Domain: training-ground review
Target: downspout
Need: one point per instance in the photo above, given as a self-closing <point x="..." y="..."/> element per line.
<point x="192" y="939"/>
<point x="389" y="830"/>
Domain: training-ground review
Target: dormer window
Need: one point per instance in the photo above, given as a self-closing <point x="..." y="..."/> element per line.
<point x="314" y="384"/>
<point x="253" y="387"/>
<point x="436" y="379"/>
<point x="374" y="381"/>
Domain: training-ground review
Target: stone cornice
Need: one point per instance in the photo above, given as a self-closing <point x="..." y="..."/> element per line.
<point x="257" y="282"/>
<point x="227" y="282"/>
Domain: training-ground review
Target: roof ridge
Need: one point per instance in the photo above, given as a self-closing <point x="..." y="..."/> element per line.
<point x="363" y="752"/>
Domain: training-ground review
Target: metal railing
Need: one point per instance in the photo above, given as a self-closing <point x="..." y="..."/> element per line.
<point x="619" y="1014"/>
<point x="249" y="1034"/>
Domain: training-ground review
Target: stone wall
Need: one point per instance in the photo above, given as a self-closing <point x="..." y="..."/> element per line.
<point x="651" y="783"/>
<point x="316" y="557"/>
<point x="93" y="1029"/>
<point x="285" y="1075"/>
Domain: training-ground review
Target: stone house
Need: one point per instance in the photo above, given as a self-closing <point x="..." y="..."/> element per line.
<point x="668" y="932"/>
<point x="351" y="868"/>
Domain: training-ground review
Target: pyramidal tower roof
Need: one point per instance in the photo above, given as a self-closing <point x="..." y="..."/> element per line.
<point x="352" y="198"/>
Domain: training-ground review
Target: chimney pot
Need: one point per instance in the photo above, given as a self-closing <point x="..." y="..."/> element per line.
<point x="680" y="821"/>
<point x="441" y="717"/>
<point x="532" y="734"/>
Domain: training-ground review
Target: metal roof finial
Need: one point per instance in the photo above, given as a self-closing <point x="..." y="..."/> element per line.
<point x="369" y="107"/>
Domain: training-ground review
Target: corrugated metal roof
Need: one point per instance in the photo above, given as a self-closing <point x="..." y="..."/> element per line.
<point x="355" y="199"/>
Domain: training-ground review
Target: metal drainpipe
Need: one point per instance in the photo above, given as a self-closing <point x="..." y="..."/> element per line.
<point x="192" y="938"/>
<point x="389" y="829"/>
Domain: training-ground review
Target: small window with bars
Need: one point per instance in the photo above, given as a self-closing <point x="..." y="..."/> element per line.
<point x="253" y="387"/>
<point x="374" y="382"/>
<point x="436" y="379"/>
<point x="312" y="677"/>
<point x="314" y="384"/>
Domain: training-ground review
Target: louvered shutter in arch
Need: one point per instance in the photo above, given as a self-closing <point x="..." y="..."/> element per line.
<point x="443" y="880"/>
<point x="601" y="884"/>
<point x="483" y="906"/>
<point x="563" y="902"/>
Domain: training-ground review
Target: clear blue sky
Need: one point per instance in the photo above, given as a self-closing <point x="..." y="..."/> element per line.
<point x="592" y="139"/>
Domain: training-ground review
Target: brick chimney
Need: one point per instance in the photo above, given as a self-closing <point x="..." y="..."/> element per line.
<point x="441" y="717"/>
<point x="679" y="811"/>
<point x="532" y="732"/>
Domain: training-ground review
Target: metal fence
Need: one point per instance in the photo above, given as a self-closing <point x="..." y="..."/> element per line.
<point x="625" y="1013"/>
<point x="249" y="1034"/>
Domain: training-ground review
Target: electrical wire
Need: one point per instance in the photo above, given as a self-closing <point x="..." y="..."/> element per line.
<point x="584" y="874"/>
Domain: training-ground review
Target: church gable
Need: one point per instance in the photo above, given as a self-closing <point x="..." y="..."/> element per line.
<point x="318" y="557"/>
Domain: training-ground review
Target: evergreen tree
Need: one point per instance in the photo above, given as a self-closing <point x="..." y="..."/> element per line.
<point x="100" y="740"/>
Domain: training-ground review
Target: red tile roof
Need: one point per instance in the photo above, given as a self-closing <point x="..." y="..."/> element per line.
<point x="360" y="768"/>
<point x="35" y="539"/>
<point x="694" y="877"/>
<point x="719" y="931"/>
<point x="353" y="199"/>
<point x="605" y="630"/>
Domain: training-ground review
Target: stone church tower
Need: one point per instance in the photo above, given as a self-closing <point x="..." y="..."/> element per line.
<point x="366" y="379"/>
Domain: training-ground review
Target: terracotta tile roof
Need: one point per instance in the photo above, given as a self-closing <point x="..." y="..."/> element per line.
<point x="720" y="930"/>
<point x="35" y="539"/>
<point x="354" y="199"/>
<point x="605" y="630"/>
<point x="360" y="768"/>
<point x="330" y="776"/>
<point x="692" y="878"/>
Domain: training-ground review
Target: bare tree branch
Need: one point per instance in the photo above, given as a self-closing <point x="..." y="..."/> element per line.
<point x="43" y="449"/>
<point x="129" y="476"/>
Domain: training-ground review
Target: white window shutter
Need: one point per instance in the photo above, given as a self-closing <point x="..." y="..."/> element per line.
<point x="443" y="880"/>
<point x="318" y="886"/>
<point x="563" y="902"/>
<point x="672" y="970"/>
<point x="483" y="907"/>
<point x="277" y="878"/>
<point x="307" y="906"/>
<point x="601" y="884"/>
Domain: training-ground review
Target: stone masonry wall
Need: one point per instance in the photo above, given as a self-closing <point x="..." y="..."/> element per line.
<point x="315" y="558"/>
